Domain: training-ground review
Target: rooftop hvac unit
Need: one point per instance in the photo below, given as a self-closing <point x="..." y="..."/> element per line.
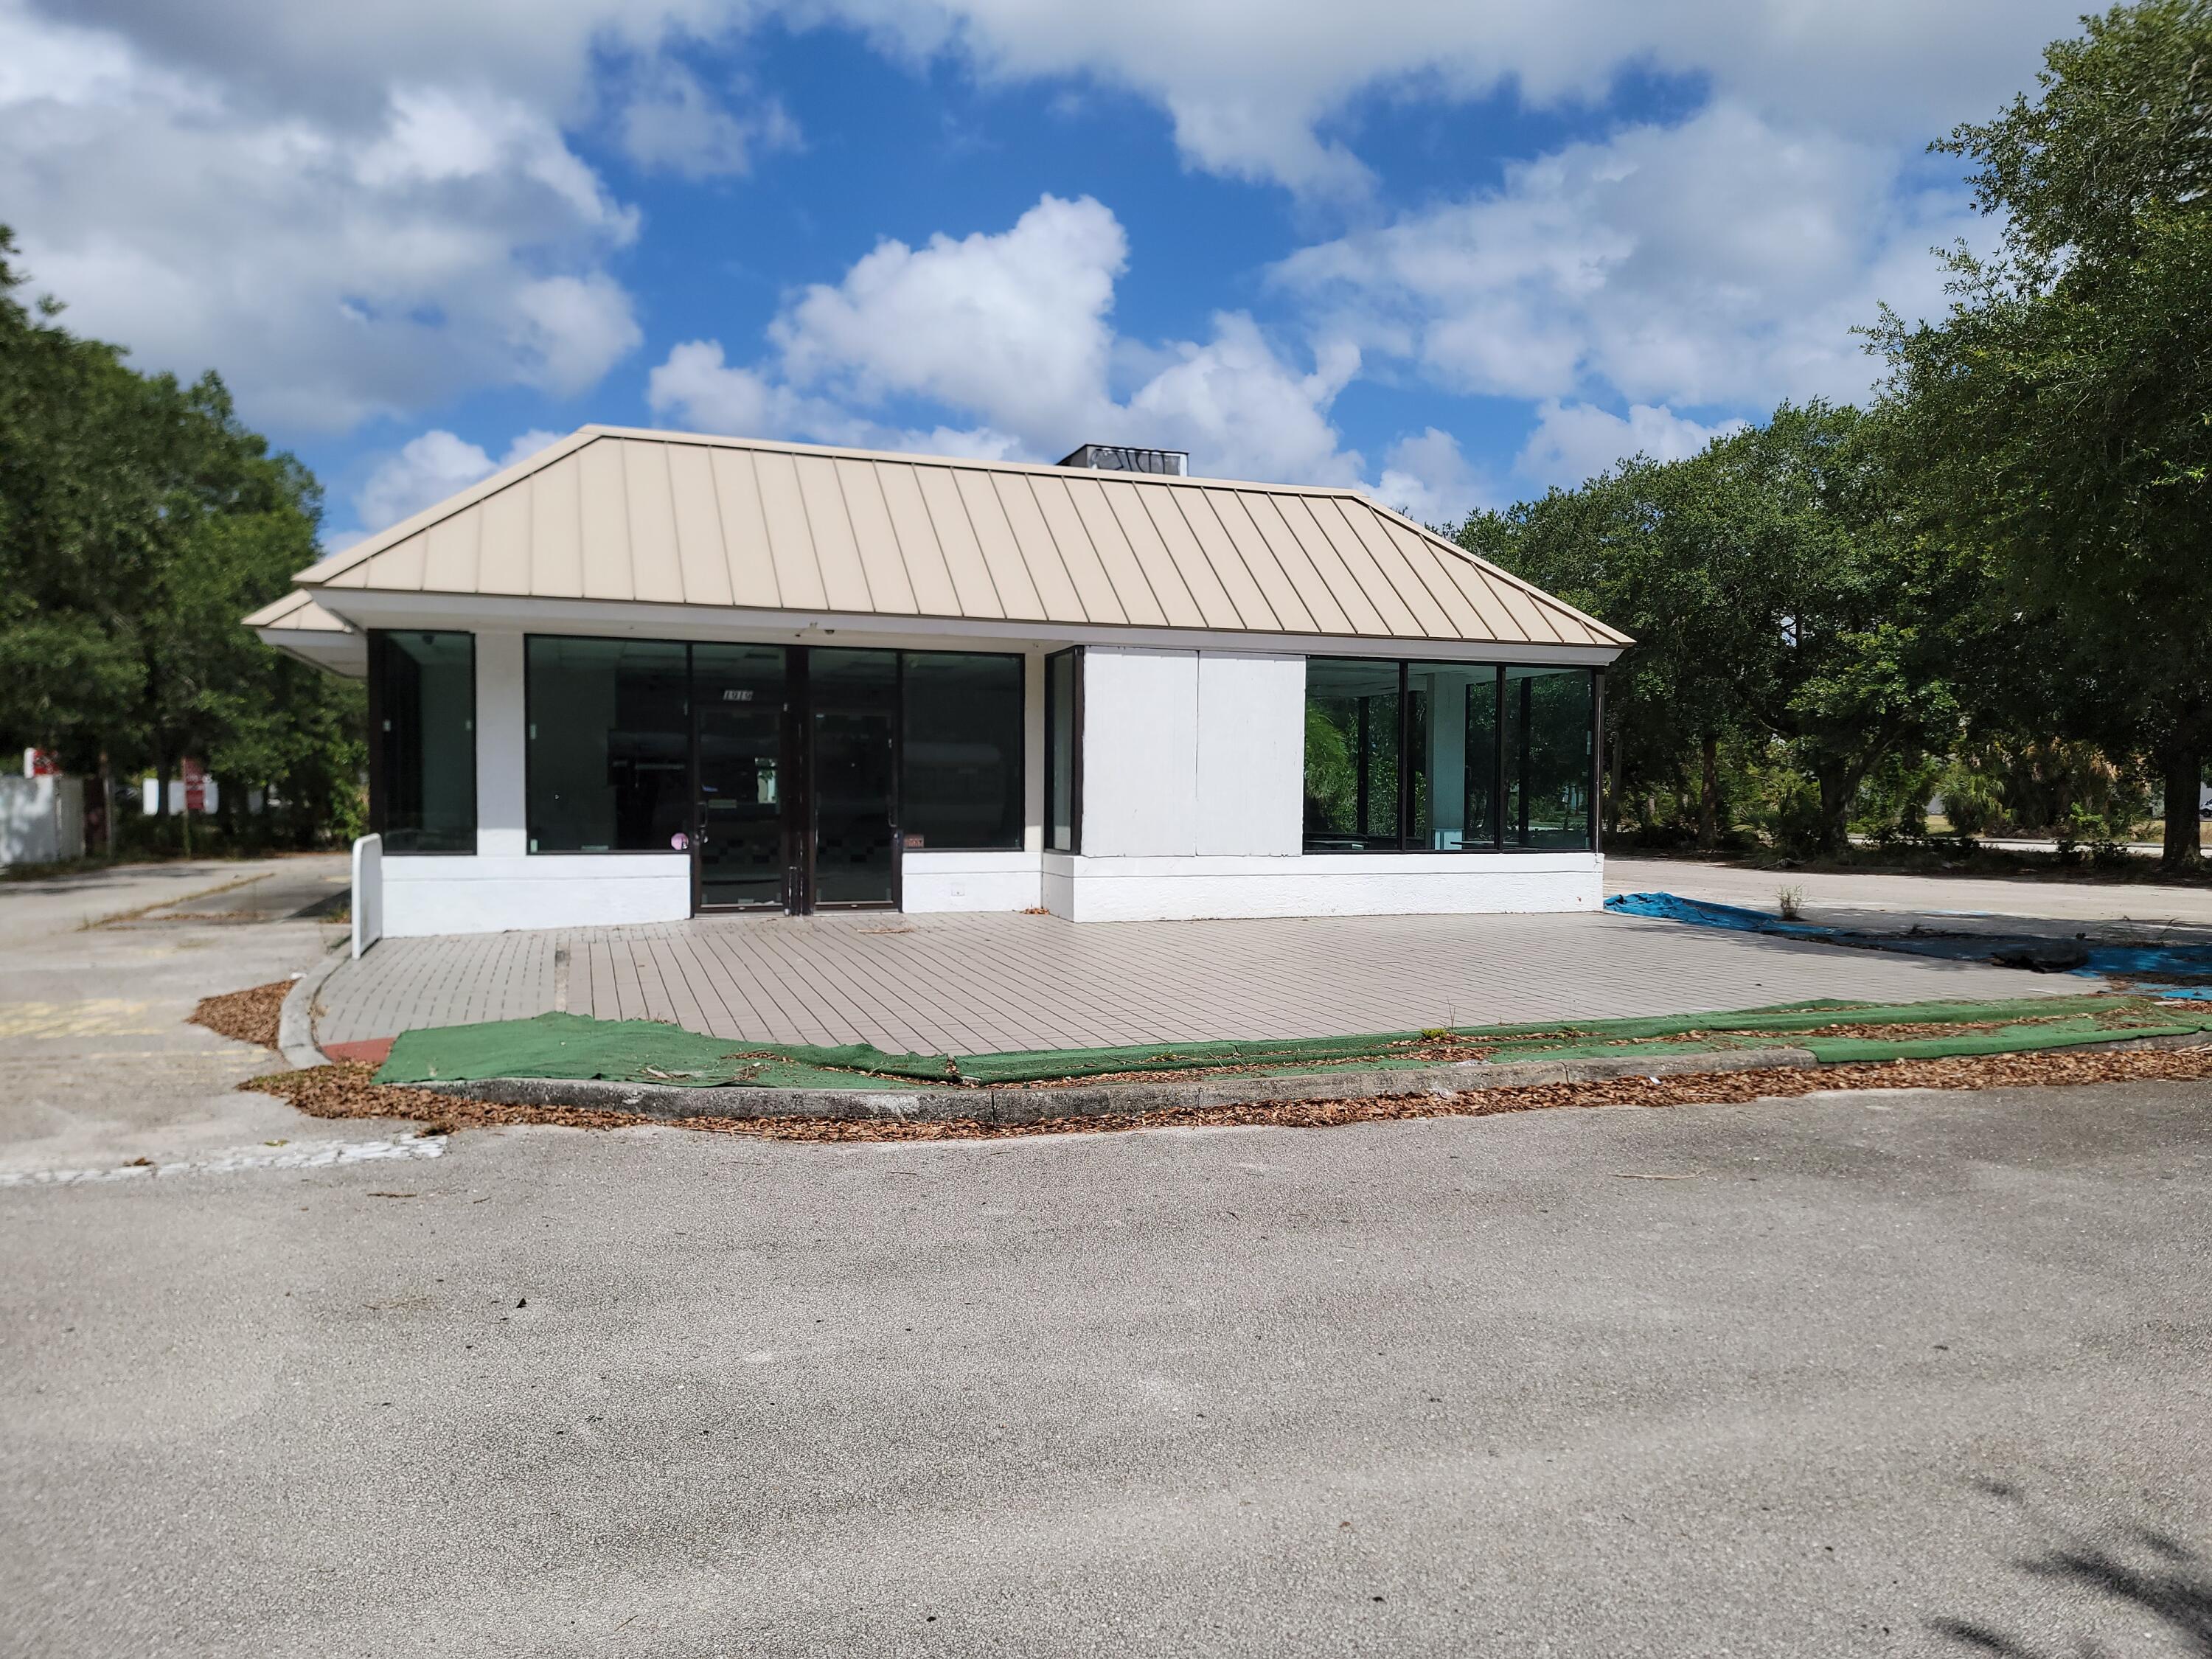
<point x="1119" y="458"/>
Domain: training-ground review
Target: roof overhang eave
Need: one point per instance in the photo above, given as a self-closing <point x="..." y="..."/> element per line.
<point x="343" y="654"/>
<point x="368" y="608"/>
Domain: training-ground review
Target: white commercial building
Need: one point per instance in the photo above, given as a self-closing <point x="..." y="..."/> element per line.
<point x="643" y="674"/>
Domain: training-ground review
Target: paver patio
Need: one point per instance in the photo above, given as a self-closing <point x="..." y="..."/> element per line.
<point x="984" y="983"/>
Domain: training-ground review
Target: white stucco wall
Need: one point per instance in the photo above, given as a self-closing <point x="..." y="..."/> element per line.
<point x="1251" y="754"/>
<point x="1189" y="753"/>
<point x="1139" y="752"/>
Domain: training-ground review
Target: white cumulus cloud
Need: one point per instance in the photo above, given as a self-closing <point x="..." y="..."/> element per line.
<point x="1575" y="441"/>
<point x="1722" y="262"/>
<point x="1014" y="323"/>
<point x="372" y="209"/>
<point x="349" y="211"/>
<point x="1428" y="477"/>
<point x="447" y="241"/>
<point x="670" y="122"/>
<point x="425" y="471"/>
<point x="1013" y="329"/>
<point x="1259" y="88"/>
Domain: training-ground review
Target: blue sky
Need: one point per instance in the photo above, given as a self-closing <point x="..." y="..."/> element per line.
<point x="1450" y="252"/>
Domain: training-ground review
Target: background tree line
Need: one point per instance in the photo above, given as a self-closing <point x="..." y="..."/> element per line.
<point x="139" y="520"/>
<point x="1992" y="584"/>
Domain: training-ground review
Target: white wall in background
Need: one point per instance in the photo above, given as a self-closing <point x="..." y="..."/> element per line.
<point x="149" y="796"/>
<point x="42" y="819"/>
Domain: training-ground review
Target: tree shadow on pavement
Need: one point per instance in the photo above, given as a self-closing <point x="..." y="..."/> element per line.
<point x="2137" y="1569"/>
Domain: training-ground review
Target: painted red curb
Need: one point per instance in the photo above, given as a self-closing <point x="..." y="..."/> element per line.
<point x="370" y="1052"/>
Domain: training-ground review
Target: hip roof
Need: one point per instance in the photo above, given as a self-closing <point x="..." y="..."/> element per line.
<point x="611" y="513"/>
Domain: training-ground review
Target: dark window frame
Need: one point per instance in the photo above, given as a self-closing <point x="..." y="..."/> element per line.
<point x="379" y="781"/>
<point x="1074" y="848"/>
<point x="1497" y="842"/>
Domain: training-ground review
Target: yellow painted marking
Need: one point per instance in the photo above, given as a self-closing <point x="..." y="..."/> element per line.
<point x="93" y="1017"/>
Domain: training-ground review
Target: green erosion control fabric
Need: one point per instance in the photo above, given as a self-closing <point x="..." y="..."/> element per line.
<point x="639" y="1051"/>
<point x="645" y="1051"/>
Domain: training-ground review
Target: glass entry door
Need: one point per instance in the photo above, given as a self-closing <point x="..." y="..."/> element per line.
<point x="797" y="801"/>
<point x="738" y="695"/>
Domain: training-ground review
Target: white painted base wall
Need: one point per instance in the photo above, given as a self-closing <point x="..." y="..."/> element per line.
<point x="425" y="894"/>
<point x="970" y="881"/>
<point x="488" y="895"/>
<point x="1331" y="885"/>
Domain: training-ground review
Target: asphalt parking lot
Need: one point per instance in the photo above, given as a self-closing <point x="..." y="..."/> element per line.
<point x="1884" y="1373"/>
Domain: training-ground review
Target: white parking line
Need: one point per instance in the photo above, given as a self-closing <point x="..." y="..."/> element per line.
<point x="294" y="1155"/>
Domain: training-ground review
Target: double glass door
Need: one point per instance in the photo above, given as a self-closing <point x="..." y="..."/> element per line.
<point x="797" y="801"/>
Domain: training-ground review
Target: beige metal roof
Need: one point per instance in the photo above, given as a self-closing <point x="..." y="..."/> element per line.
<point x="615" y="514"/>
<point x="298" y="612"/>
<point x="300" y="628"/>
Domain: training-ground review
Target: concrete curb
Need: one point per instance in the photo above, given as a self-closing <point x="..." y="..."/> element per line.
<point x="296" y="1022"/>
<point x="662" y="1100"/>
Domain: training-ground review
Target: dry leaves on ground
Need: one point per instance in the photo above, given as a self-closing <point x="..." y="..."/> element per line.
<point x="345" y="1091"/>
<point x="249" y="1016"/>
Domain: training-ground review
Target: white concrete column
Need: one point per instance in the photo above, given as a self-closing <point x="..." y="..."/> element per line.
<point x="502" y="821"/>
<point x="1447" y="761"/>
<point x="1033" y="748"/>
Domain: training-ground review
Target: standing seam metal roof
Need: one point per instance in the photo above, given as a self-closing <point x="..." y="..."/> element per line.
<point x="670" y="518"/>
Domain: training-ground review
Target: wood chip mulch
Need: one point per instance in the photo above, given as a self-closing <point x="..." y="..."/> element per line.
<point x="344" y="1090"/>
<point x="248" y="1015"/>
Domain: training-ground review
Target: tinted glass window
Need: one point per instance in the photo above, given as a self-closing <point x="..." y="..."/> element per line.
<point x="854" y="695"/>
<point x="609" y="746"/>
<point x="1452" y="755"/>
<point x="1548" y="758"/>
<point x="1352" y="782"/>
<point x="425" y="775"/>
<point x="962" y="784"/>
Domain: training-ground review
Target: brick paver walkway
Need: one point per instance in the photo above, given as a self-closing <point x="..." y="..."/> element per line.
<point x="979" y="984"/>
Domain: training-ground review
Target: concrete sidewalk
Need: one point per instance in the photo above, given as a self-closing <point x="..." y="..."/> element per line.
<point x="1835" y="894"/>
<point x="985" y="983"/>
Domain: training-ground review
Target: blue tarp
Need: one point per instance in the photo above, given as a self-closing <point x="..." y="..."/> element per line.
<point x="2171" y="970"/>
